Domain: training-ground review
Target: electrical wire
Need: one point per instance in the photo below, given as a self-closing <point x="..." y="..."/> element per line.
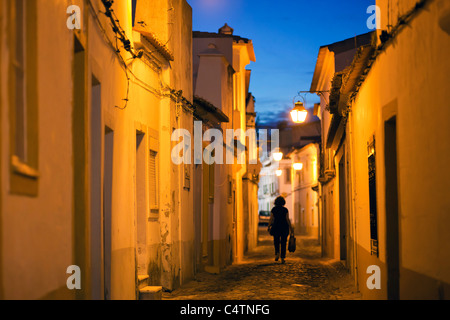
<point x="166" y="91"/>
<point x="118" y="30"/>
<point x="115" y="49"/>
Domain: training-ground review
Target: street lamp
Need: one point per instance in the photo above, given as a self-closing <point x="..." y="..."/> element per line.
<point x="279" y="172"/>
<point x="278" y="156"/>
<point x="299" y="113"/>
<point x="298" y="166"/>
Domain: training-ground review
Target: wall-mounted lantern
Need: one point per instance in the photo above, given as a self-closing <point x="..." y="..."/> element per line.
<point x="277" y="156"/>
<point x="299" y="113"/>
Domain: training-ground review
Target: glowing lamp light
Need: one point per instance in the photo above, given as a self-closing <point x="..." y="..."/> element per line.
<point x="278" y="156"/>
<point x="299" y="113"/>
<point x="298" y="166"/>
<point x="279" y="172"/>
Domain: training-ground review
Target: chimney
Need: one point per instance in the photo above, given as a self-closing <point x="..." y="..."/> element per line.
<point x="226" y="29"/>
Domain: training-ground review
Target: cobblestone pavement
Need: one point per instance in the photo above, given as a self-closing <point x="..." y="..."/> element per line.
<point x="304" y="276"/>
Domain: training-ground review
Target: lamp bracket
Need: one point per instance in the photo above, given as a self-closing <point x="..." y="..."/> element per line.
<point x="320" y="93"/>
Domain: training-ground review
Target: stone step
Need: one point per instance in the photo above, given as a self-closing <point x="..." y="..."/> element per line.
<point x="143" y="281"/>
<point x="150" y="293"/>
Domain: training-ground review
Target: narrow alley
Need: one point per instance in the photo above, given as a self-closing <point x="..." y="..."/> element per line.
<point x="305" y="276"/>
<point x="147" y="146"/>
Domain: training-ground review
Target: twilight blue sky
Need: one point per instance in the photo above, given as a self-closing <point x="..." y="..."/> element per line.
<point x="286" y="36"/>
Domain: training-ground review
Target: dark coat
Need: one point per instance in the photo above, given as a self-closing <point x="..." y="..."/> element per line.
<point x="279" y="221"/>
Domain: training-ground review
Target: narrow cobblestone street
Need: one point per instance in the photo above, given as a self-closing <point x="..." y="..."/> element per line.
<point x="305" y="276"/>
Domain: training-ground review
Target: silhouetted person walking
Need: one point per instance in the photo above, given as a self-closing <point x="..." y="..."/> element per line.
<point x="279" y="227"/>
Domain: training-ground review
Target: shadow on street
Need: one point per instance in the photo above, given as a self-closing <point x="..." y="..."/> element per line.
<point x="304" y="276"/>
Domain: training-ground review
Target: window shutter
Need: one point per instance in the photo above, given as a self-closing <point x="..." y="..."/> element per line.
<point x="153" y="180"/>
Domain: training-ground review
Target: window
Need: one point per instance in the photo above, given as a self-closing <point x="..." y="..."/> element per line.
<point x="153" y="181"/>
<point x="329" y="159"/>
<point x="23" y="97"/>
<point x="288" y="175"/>
<point x="302" y="175"/>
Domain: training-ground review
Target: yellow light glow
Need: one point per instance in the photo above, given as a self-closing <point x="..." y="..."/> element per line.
<point x="298" y="166"/>
<point x="279" y="172"/>
<point x="298" y="116"/>
<point x="299" y="113"/>
<point x="277" y="156"/>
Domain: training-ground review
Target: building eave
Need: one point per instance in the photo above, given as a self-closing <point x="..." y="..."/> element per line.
<point x="205" y="110"/>
<point x="319" y="69"/>
<point x="154" y="41"/>
<point x="354" y="76"/>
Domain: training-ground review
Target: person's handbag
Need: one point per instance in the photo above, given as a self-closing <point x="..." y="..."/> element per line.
<point x="270" y="229"/>
<point x="292" y="243"/>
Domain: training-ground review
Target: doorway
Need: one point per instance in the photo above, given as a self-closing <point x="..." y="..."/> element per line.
<point x="324" y="223"/>
<point x="343" y="235"/>
<point x="392" y="223"/>
<point x="80" y="164"/>
<point x="107" y="209"/>
<point x="141" y="205"/>
<point x="307" y="218"/>
<point x="235" y="244"/>
<point x="299" y="218"/>
<point x="100" y="197"/>
<point x="96" y="218"/>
